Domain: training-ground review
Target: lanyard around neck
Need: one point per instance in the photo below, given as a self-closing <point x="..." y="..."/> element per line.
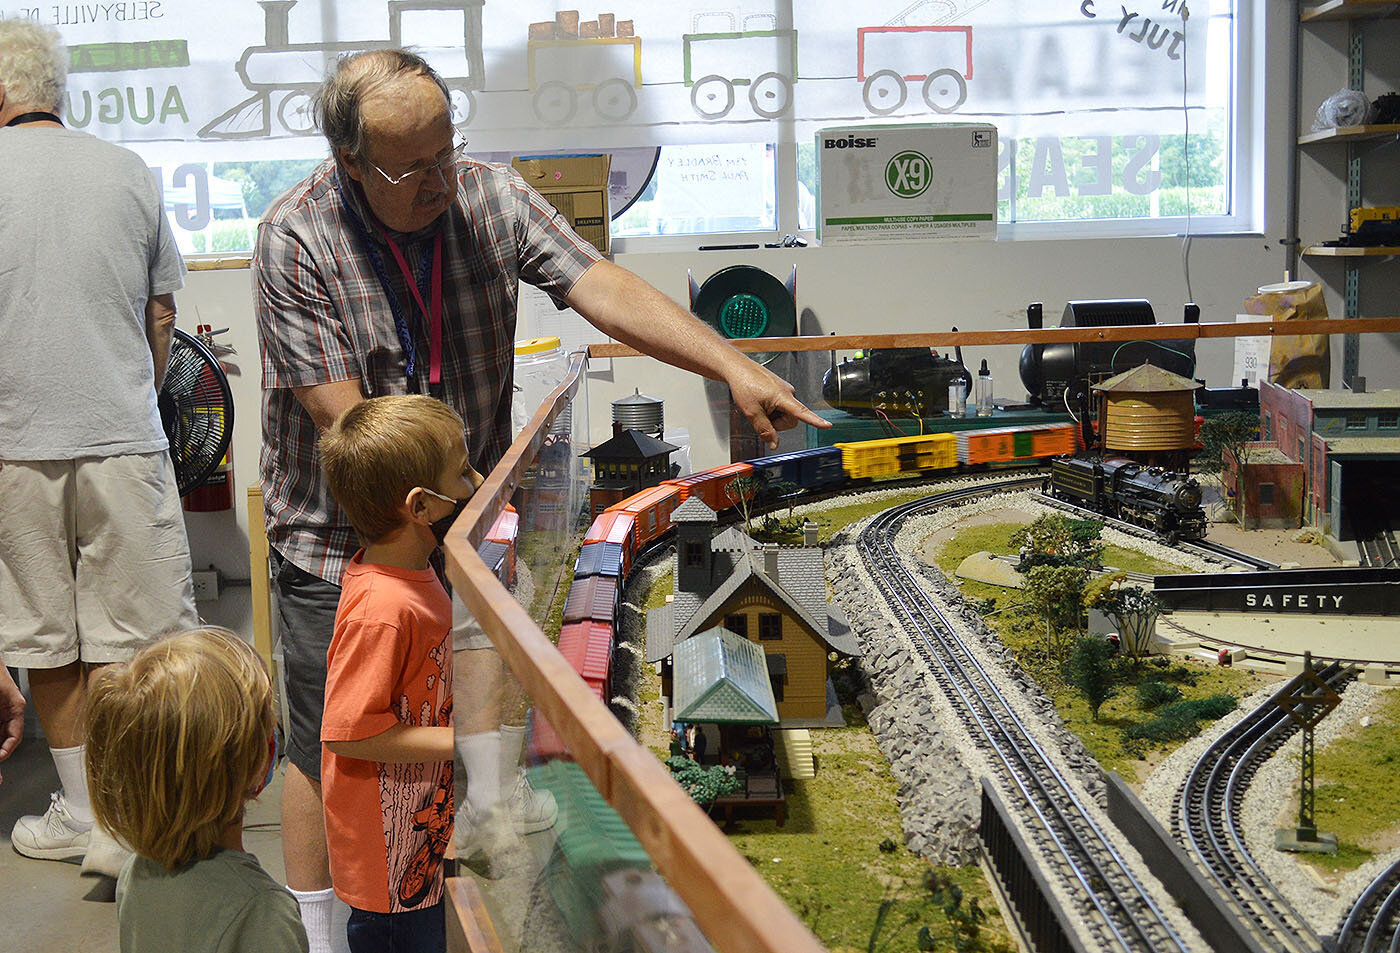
<point x="433" y="317"/>
<point x="34" y="117"/>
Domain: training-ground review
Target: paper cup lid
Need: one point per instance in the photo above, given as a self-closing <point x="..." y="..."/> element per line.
<point x="1283" y="287"/>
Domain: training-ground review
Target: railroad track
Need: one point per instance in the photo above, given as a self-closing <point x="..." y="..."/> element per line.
<point x="1200" y="546"/>
<point x="1382" y="549"/>
<point x="1373" y="923"/>
<point x="1112" y="906"/>
<point x="1206" y="821"/>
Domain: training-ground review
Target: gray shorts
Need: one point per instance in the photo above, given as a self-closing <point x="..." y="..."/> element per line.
<point x="94" y="561"/>
<point x="306" y="607"/>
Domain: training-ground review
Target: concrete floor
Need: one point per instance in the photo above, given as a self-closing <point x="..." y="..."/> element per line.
<point x="48" y="905"/>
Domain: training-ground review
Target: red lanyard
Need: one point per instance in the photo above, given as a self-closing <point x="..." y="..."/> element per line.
<point x="434" y="317"/>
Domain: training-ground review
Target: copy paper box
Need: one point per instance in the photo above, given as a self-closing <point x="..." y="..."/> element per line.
<point x="575" y="185"/>
<point x="927" y="182"/>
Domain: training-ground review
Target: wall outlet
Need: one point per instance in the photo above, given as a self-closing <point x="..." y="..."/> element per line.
<point x="206" y="585"/>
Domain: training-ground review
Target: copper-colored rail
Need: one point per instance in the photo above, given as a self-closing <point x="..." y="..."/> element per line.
<point x="1144" y="332"/>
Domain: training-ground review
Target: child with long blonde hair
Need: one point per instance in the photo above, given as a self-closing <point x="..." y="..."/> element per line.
<point x="179" y="739"/>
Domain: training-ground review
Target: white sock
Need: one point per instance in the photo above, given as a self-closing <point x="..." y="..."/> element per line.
<point x="512" y="742"/>
<point x="73" y="777"/>
<point x="481" y="759"/>
<point x="316" y="907"/>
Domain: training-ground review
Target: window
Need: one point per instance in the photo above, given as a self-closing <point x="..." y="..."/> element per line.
<point x="1266" y="494"/>
<point x="1268" y="427"/>
<point x="1302" y="450"/>
<point x="694" y="554"/>
<point x="1356" y="421"/>
<point x="778" y="680"/>
<point x="1110" y="120"/>
<point x="1389" y="420"/>
<point x="770" y="626"/>
<point x="738" y="624"/>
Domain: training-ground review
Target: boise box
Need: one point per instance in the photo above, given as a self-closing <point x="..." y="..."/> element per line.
<point x="880" y="183"/>
<point x="575" y="185"/>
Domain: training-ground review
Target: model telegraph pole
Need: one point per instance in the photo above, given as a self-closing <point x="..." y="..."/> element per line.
<point x="1306" y="704"/>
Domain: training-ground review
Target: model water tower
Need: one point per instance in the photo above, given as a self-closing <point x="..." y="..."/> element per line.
<point x="1149" y="415"/>
<point x="637" y="411"/>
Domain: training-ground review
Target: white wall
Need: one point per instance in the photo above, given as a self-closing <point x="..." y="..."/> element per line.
<point x="975" y="286"/>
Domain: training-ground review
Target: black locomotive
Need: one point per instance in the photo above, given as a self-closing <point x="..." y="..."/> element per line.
<point x="896" y="382"/>
<point x="1161" y="500"/>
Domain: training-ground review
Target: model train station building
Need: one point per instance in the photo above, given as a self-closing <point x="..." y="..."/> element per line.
<point x="1327" y="458"/>
<point x="775" y="596"/>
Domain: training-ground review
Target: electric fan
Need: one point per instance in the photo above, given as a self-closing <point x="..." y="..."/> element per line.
<point x="196" y="410"/>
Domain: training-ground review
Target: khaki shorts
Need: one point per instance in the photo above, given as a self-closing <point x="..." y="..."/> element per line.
<point x="94" y="561"/>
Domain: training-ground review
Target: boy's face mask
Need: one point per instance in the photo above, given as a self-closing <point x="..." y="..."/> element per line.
<point x="440" y="527"/>
<point x="274" y="748"/>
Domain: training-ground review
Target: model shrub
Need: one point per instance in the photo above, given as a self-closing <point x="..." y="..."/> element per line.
<point x="1179" y="721"/>
<point x="1090" y="671"/>
<point x="1154" y="694"/>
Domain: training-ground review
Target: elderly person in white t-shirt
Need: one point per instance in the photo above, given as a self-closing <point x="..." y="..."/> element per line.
<point x="94" y="562"/>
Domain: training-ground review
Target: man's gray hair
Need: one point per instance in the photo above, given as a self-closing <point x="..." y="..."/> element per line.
<point x="33" y="64"/>
<point x="339" y="101"/>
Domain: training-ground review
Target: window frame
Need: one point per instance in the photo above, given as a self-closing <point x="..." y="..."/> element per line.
<point x="742" y="628"/>
<point x="766" y="621"/>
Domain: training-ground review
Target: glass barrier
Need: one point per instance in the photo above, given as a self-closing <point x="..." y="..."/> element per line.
<point x="569" y="835"/>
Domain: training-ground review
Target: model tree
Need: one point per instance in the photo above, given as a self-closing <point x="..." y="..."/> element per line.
<point x="1223" y="441"/>
<point x="1056" y="540"/>
<point x="742" y="491"/>
<point x="1090" y="671"/>
<point x="1057" y="592"/>
<point x="1133" y="610"/>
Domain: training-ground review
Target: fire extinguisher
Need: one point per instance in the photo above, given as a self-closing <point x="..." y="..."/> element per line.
<point x="216" y="492"/>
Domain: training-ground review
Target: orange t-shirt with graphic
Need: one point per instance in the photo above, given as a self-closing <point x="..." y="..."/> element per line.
<point x="390" y="660"/>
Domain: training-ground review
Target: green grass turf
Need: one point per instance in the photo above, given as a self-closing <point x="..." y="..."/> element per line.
<point x="1357" y="797"/>
<point x="826" y="860"/>
<point x="1023" y="632"/>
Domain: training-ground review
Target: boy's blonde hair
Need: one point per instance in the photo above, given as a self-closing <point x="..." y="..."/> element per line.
<point x="177" y="741"/>
<point x="380" y="449"/>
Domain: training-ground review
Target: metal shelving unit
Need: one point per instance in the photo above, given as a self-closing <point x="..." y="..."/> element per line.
<point x="1358" y="141"/>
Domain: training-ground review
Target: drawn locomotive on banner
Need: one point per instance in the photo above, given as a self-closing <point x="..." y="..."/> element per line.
<point x="284" y="76"/>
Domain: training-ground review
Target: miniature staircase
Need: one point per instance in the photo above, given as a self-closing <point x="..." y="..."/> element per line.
<point x="793" y="750"/>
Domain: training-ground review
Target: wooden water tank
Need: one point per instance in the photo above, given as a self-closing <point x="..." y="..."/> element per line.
<point x="1147" y="409"/>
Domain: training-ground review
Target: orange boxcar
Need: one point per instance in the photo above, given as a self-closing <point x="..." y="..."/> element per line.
<point x="710" y="485"/>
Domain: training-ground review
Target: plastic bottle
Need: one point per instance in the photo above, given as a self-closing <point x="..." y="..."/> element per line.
<point x="957" y="400"/>
<point x="540" y="364"/>
<point x="984" y="390"/>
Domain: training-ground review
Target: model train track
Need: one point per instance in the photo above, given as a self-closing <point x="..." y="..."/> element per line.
<point x="1206" y="820"/>
<point x="1201" y="547"/>
<point x="1382" y="549"/>
<point x="1373" y="923"/>
<point x="1112" y="905"/>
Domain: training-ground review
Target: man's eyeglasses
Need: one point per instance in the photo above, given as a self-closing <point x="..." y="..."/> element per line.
<point x="444" y="159"/>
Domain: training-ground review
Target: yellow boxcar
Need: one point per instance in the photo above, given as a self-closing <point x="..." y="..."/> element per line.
<point x="897" y="456"/>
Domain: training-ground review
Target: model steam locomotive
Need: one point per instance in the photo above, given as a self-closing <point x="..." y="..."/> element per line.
<point x="1166" y="502"/>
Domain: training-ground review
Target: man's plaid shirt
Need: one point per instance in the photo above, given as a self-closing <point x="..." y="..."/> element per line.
<point x="323" y="316"/>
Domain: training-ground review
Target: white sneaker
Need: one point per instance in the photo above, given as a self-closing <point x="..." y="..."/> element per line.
<point x="54" y="835"/>
<point x="531" y="811"/>
<point x="106" y="854"/>
<point x="488" y="845"/>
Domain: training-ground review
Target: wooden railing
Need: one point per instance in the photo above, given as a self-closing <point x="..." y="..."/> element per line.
<point x="1145" y="332"/>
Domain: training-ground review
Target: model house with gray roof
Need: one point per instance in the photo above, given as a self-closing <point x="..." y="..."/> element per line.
<point x="774" y="596"/>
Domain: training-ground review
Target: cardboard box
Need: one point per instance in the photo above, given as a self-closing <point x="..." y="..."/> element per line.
<point x="578" y="187"/>
<point x="927" y="182"/>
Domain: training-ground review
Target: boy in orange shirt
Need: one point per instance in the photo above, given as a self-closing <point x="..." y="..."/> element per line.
<point x="398" y="467"/>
